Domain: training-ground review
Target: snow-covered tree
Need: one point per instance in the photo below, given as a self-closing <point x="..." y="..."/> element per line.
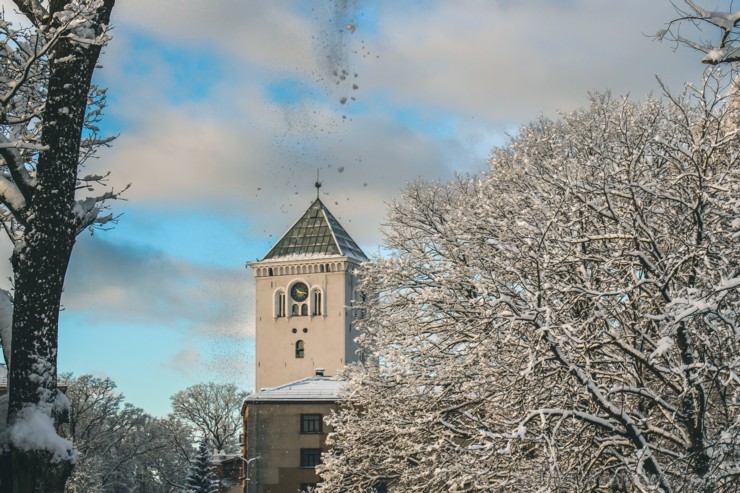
<point x="214" y="411"/>
<point x="118" y="445"/>
<point x="121" y="448"/>
<point x="568" y="321"/>
<point x="167" y="467"/>
<point x="201" y="479"/>
<point x="722" y="46"/>
<point x="48" y="116"/>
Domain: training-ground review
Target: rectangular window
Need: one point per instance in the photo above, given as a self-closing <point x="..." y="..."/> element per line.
<point x="311" y="423"/>
<point x="310" y="457"/>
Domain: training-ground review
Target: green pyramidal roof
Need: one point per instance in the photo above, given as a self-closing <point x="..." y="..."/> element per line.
<point x="316" y="234"/>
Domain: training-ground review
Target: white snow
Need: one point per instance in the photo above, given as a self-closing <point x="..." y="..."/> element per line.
<point x="719" y="55"/>
<point x="728" y="284"/>
<point x="12" y="195"/>
<point x="664" y="345"/>
<point x="34" y="430"/>
<point x="84" y="207"/>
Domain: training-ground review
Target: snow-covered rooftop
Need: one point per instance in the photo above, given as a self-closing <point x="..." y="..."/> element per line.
<point x="316" y="234"/>
<point x="315" y="388"/>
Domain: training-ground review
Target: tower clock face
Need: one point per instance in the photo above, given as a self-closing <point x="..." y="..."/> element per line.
<point x="299" y="292"/>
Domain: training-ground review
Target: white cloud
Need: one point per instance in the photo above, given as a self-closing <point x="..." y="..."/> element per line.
<point x="263" y="163"/>
<point x="508" y="61"/>
<point x="184" y="362"/>
<point x="268" y="33"/>
<point x="501" y="63"/>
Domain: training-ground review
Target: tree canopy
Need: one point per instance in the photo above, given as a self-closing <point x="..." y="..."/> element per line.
<point x="213" y="410"/>
<point x="567" y="321"/>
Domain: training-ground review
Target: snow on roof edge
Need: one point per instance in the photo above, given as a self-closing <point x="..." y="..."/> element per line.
<point x="314" y="388"/>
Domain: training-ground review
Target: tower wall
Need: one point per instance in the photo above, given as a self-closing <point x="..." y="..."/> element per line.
<point x="328" y="338"/>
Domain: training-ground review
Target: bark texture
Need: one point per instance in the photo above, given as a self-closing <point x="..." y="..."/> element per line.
<point x="50" y="226"/>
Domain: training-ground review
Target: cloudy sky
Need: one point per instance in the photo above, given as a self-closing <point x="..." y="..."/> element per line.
<point x="227" y="108"/>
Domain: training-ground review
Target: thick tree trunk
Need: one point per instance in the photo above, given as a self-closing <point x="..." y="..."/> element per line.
<point x="41" y="263"/>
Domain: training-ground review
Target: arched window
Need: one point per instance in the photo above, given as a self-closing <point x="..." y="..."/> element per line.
<point x="316" y="302"/>
<point x="304" y="309"/>
<point x="294" y="310"/>
<point x="299" y="348"/>
<point x="280" y="303"/>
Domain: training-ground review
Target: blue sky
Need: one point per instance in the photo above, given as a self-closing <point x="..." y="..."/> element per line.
<point x="226" y="109"/>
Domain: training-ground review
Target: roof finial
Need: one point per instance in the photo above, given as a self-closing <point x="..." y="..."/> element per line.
<point x="317" y="184"/>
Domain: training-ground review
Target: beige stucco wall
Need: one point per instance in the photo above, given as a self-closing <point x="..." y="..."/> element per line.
<point x="328" y="340"/>
<point x="273" y="435"/>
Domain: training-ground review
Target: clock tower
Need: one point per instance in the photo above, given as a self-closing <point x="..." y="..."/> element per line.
<point x="304" y="287"/>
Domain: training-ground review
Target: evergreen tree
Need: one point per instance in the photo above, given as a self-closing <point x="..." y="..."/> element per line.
<point x="200" y="477"/>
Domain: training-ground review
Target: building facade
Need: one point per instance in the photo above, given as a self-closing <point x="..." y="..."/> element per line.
<point x="285" y="434"/>
<point x="304" y="290"/>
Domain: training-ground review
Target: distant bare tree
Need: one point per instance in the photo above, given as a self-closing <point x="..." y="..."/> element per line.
<point x="120" y="447"/>
<point x="214" y="410"/>
<point x="113" y="439"/>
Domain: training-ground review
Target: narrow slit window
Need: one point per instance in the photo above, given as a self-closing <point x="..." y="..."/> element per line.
<point x="317" y="301"/>
<point x="280" y="304"/>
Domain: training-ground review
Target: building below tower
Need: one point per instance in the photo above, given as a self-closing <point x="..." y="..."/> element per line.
<point x="286" y="434"/>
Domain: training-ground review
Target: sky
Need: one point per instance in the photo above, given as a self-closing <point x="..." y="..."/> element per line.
<point x="226" y="109"/>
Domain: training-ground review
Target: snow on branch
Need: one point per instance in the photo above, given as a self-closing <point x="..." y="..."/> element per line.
<point x="724" y="51"/>
<point x="34" y="10"/>
<point x="10" y="195"/>
<point x="588" y="417"/>
<point x="588" y="280"/>
<point x="88" y="210"/>
<point x="9" y="151"/>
